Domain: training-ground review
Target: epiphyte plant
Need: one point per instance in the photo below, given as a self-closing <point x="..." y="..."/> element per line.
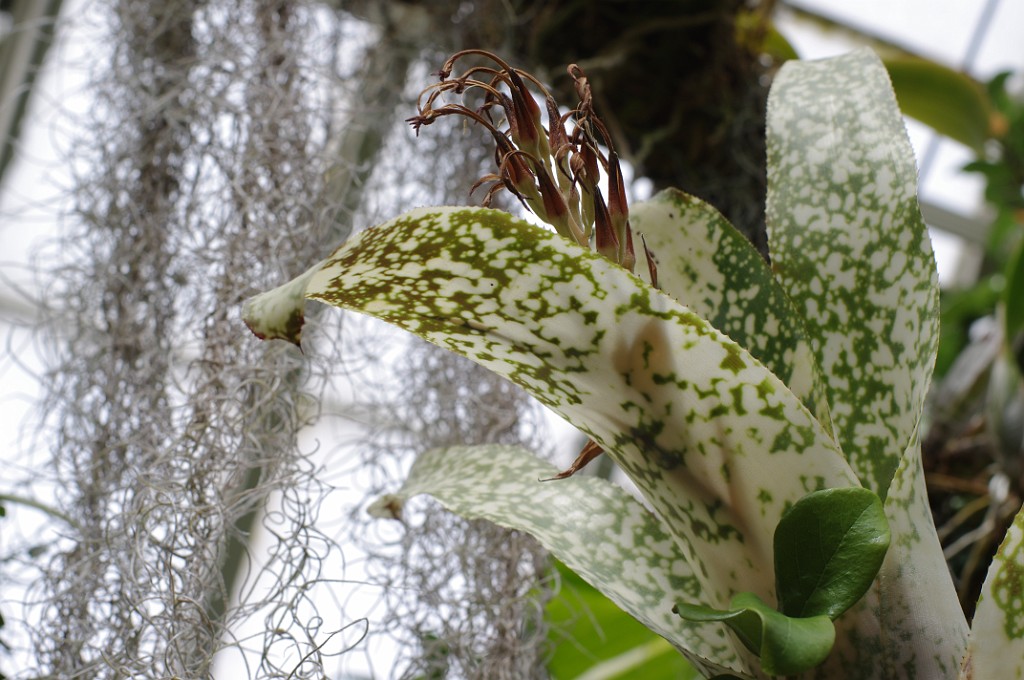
<point x="768" y="414"/>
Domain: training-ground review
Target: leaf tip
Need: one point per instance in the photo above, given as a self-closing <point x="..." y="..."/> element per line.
<point x="278" y="314"/>
<point x="388" y="506"/>
<point x="267" y="325"/>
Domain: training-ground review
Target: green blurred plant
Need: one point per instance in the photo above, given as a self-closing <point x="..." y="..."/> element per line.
<point x="974" y="450"/>
<point x="1001" y="163"/>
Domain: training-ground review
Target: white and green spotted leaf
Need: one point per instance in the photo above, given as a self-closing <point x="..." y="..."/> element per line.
<point x="996" y="649"/>
<point x="717" y="444"/>
<point x="910" y="624"/>
<point x="705" y="263"/>
<point x="597" y="529"/>
<point x="848" y="245"/>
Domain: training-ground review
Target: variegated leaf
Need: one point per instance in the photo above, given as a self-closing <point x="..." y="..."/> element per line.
<point x="910" y="624"/>
<point x="597" y="529"/>
<point x="708" y="265"/>
<point x="716" y="443"/>
<point x="996" y="649"/>
<point x="849" y="246"/>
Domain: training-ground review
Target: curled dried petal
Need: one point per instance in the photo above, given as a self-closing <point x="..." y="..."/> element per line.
<point x="591" y="451"/>
<point x="652" y="264"/>
<point x="606" y="242"/>
<point x="552" y="171"/>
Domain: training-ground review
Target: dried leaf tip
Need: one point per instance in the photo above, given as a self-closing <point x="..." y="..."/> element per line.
<point x="591" y="451"/>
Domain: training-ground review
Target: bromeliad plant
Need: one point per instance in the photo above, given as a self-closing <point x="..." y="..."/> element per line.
<point x="769" y="415"/>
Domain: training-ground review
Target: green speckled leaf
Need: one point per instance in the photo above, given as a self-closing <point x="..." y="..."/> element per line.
<point x="848" y="244"/>
<point x="708" y="265"/>
<point x="910" y="624"/>
<point x="597" y="529"/>
<point x="997" y="633"/>
<point x="715" y="442"/>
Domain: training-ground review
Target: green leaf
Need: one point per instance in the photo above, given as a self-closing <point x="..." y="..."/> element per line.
<point x="760" y="36"/>
<point x="849" y="246"/>
<point x="592" y="637"/>
<point x="950" y="102"/>
<point x="598" y="530"/>
<point x="1013" y="296"/>
<point x="828" y="549"/>
<point x="708" y="265"/>
<point x="786" y="645"/>
<point x="777" y="46"/>
<point x="996" y="649"/>
<point x="717" y="444"/>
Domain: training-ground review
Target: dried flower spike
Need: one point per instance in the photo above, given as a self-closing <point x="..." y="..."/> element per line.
<point x="556" y="174"/>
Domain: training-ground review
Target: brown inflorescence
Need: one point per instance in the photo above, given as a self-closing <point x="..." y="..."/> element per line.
<point x="555" y="174"/>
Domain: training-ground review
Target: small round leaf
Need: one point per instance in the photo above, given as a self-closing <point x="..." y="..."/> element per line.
<point x="828" y="549"/>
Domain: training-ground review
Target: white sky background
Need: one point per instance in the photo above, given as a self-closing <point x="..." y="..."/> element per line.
<point x="944" y="31"/>
<point x="33" y="197"/>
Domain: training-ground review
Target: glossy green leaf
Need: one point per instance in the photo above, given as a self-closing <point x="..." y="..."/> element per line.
<point x="828" y="549"/>
<point x="786" y="645"/>
<point x="594" y="527"/>
<point x="717" y="444"/>
<point x="849" y="246"/>
<point x="705" y="263"/>
<point x="950" y="102"/>
<point x="591" y="637"/>
<point x="996" y="649"/>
